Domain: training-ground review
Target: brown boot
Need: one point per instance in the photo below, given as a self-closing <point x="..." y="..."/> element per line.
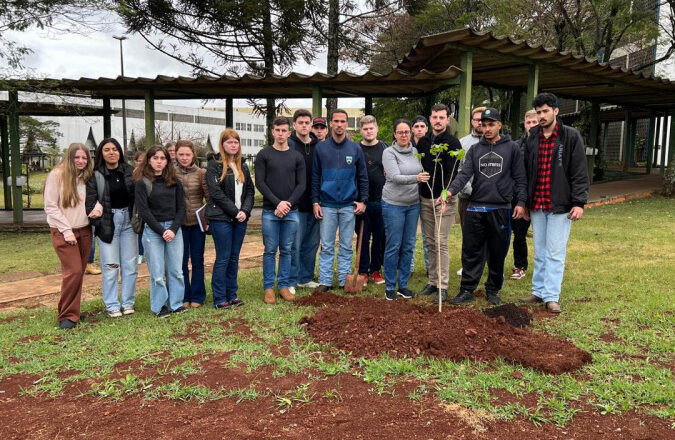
<point x="195" y="305"/>
<point x="553" y="307"/>
<point x="91" y="269"/>
<point x="532" y="299"/>
<point x="186" y="304"/>
<point x="270" y="297"/>
<point x="286" y="294"/>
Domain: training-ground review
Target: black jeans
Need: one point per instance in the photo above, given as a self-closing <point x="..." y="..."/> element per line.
<point x="520" y="227"/>
<point x="486" y="236"/>
<point x="372" y="248"/>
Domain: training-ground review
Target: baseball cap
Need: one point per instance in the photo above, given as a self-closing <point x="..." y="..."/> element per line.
<point x="492" y="114"/>
<point x="420" y="118"/>
<point x="319" y="121"/>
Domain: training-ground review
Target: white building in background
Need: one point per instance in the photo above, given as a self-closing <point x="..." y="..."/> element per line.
<point x="171" y="122"/>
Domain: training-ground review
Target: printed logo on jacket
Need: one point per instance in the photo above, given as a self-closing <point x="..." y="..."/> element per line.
<point x="490" y="164"/>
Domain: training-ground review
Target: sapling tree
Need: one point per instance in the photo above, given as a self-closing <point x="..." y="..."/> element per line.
<point x="437" y="151"/>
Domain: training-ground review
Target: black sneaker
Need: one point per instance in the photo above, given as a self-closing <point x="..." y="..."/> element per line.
<point x="429" y="289"/>
<point x="390" y="295"/>
<point x="236" y="302"/>
<point x="444" y="295"/>
<point x="322" y="289"/>
<point x="223" y="305"/>
<point x="404" y="292"/>
<point x="463" y="297"/>
<point x="164" y="312"/>
<point x="493" y="298"/>
<point x="67" y="324"/>
<point x="180" y="309"/>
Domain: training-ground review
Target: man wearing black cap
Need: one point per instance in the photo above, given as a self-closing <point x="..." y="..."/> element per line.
<point x="495" y="163"/>
<point x="320" y="128"/>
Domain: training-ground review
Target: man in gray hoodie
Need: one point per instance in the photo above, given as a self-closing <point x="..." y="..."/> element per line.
<point x="497" y="167"/>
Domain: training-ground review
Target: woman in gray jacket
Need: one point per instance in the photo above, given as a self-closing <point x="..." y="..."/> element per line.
<point x="400" y="209"/>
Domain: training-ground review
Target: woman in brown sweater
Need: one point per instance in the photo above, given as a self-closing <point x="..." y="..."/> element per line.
<point x="71" y="234"/>
<point x="196" y="191"/>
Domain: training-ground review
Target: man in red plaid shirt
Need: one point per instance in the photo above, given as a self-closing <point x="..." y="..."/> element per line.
<point x="555" y="161"/>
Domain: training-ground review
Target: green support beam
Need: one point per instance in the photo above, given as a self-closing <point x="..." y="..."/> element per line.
<point x="515" y="115"/>
<point x="317" y="102"/>
<point x="13" y="117"/>
<point x="594" y="144"/>
<point x="633" y="139"/>
<point x="626" y="141"/>
<point x="655" y="151"/>
<point x="4" y="140"/>
<point x="465" y="80"/>
<point x="605" y="136"/>
<point x="107" y="124"/>
<point x="664" y="139"/>
<point x="532" y="84"/>
<point x="229" y="112"/>
<point x="368" y="108"/>
<point x="671" y="148"/>
<point x="149" y="117"/>
<point x="649" y="144"/>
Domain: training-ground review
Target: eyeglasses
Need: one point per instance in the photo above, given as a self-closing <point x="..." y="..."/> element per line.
<point x="403" y="133"/>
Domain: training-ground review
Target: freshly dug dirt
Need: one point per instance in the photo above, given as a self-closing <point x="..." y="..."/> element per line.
<point x="370" y="327"/>
<point x="512" y="314"/>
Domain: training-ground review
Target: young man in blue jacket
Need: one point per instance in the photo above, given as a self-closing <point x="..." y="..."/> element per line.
<point x="339" y="192"/>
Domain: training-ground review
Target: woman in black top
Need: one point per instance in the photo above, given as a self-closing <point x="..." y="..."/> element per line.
<point x="109" y="202"/>
<point x="161" y="206"/>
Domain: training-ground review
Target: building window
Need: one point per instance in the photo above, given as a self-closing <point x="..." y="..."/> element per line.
<point x="248" y="127"/>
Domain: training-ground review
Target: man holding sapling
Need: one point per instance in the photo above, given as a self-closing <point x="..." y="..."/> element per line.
<point x="555" y="160"/>
<point x="497" y="167"/>
<point x="441" y="168"/>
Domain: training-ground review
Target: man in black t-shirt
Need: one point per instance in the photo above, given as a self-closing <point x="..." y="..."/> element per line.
<point x="372" y="252"/>
<point x="280" y="178"/>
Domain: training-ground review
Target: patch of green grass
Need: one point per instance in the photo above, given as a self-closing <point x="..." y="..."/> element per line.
<point x="20" y="252"/>
<point x="618" y="282"/>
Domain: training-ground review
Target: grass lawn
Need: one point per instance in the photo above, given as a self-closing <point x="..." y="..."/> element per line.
<point x="617" y="304"/>
<point x="37" y="182"/>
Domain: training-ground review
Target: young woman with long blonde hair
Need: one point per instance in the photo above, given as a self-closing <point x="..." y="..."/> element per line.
<point x="231" y="194"/>
<point x="64" y="199"/>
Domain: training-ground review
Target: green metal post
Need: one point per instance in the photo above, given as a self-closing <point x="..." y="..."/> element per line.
<point x="13" y="116"/>
<point x="671" y="148"/>
<point x="107" y="125"/>
<point x="532" y="84"/>
<point x="594" y="130"/>
<point x="515" y="115"/>
<point x="229" y="113"/>
<point x="664" y="139"/>
<point x="149" y="118"/>
<point x="465" y="80"/>
<point x="649" y="145"/>
<point x="368" y="109"/>
<point x="4" y="139"/>
<point x="317" y="105"/>
<point x="626" y="141"/>
<point x="633" y="138"/>
<point x="655" y="151"/>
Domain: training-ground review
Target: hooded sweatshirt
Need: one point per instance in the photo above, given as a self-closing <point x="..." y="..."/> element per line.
<point x="307" y="151"/>
<point x="496" y="170"/>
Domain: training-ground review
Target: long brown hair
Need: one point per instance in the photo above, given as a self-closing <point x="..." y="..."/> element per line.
<point x="69" y="175"/>
<point x="228" y="160"/>
<point x="145" y="169"/>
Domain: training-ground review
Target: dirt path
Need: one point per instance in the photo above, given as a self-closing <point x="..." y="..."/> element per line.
<point x="44" y="291"/>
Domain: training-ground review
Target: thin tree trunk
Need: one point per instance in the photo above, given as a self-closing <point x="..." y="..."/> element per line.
<point x="333" y="55"/>
<point x="268" y="46"/>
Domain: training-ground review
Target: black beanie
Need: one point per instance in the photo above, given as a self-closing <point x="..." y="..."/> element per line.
<point x="420" y="118"/>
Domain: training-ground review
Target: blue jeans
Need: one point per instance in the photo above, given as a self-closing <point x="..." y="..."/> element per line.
<point x="119" y="254"/>
<point x="550" y="232"/>
<point x="228" y="238"/>
<point x="400" y="224"/>
<point x="278" y="233"/>
<point x="92" y="254"/>
<point x="372" y="246"/>
<point x="334" y="219"/>
<point x="304" y="249"/>
<point x="426" y="254"/>
<point x="164" y="257"/>
<point x="140" y="244"/>
<point x="193" y="249"/>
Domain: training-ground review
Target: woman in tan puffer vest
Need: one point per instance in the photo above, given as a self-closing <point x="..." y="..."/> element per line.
<point x="196" y="191"/>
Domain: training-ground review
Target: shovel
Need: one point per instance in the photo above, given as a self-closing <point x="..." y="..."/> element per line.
<point x="354" y="282"/>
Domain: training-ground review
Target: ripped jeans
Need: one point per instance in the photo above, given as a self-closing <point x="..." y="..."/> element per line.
<point x="119" y="256"/>
<point x="163" y="257"/>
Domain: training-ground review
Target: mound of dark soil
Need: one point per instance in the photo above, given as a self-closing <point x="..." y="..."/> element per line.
<point x="370" y="327"/>
<point x="511" y="313"/>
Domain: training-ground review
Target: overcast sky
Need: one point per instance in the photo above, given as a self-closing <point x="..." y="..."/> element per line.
<point x="96" y="54"/>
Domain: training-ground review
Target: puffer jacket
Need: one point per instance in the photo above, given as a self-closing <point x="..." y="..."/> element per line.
<point x="195" y="190"/>
<point x="104" y="228"/>
<point x="220" y="206"/>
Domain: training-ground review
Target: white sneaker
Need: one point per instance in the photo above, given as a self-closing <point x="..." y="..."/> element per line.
<point x="115" y="314"/>
<point x="309" y="285"/>
<point x="128" y="311"/>
<point x="292" y="290"/>
<point x="459" y="272"/>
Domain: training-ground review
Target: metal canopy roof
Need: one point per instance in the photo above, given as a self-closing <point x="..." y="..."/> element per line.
<point x="504" y="62"/>
<point x="49" y="109"/>
<point x="294" y="85"/>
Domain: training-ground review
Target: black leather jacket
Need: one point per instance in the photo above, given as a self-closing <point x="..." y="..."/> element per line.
<point x="220" y="206"/>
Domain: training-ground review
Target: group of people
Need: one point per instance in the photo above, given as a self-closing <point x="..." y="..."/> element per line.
<point x="317" y="185"/>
